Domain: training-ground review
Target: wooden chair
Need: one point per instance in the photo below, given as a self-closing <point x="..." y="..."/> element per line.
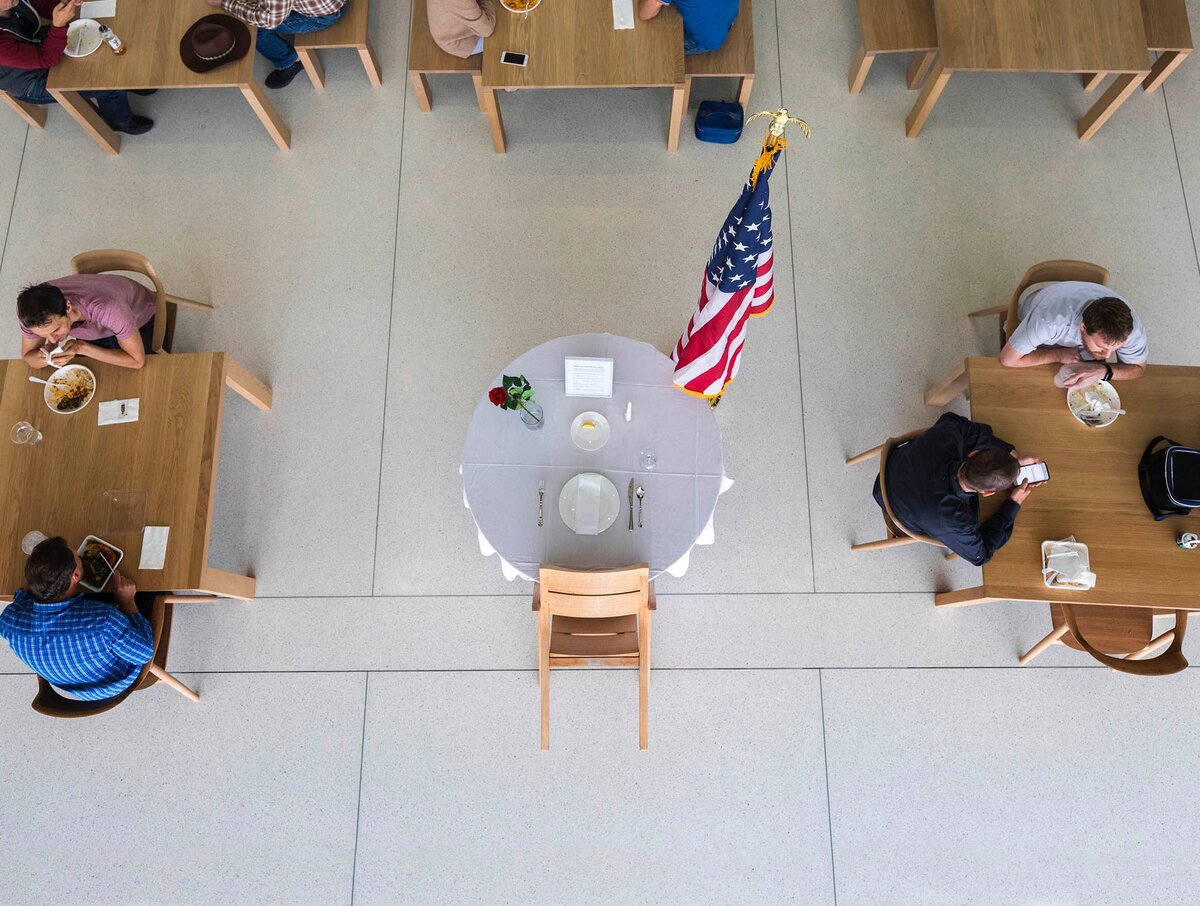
<point x="897" y="534"/>
<point x="426" y="58"/>
<point x="1047" y="272"/>
<point x="895" y="26"/>
<point x="33" y="114"/>
<point x="594" y="618"/>
<point x="733" y="59"/>
<point x="349" y="31"/>
<point x="99" y="261"/>
<point x="1167" y="33"/>
<point x="1115" y="630"/>
<point x="49" y="702"/>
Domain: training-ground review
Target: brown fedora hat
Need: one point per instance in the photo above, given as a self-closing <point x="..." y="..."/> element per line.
<point x="213" y="41"/>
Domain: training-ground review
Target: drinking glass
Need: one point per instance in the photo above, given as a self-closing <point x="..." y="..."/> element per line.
<point x="648" y="459"/>
<point x="30" y="541"/>
<point x="25" y="433"/>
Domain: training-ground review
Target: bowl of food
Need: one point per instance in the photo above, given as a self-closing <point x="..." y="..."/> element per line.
<point x="590" y="431"/>
<point x="1097" y="405"/>
<point x="520" y="6"/>
<point x="100" y="560"/>
<point x="70" y="388"/>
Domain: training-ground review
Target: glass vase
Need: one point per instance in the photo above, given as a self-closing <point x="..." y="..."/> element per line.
<point x="531" y="415"/>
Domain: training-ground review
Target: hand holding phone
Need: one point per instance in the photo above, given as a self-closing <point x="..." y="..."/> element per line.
<point x="1034" y="473"/>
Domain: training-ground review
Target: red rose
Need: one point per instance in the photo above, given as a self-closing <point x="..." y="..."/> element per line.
<point x="498" y="396"/>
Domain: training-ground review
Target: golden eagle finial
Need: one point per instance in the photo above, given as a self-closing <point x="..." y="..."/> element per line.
<point x="779" y="122"/>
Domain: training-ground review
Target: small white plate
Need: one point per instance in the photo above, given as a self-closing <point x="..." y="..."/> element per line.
<point x="1077" y="403"/>
<point x="593" y="437"/>
<point x="83" y="38"/>
<point x="610" y="502"/>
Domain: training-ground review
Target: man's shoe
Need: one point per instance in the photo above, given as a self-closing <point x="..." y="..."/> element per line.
<point x="281" y="78"/>
<point x="139" y="125"/>
<point x="145" y="92"/>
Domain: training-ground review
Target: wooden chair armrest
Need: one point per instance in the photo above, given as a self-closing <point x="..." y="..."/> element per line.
<point x="186" y="303"/>
<point x="1169" y="661"/>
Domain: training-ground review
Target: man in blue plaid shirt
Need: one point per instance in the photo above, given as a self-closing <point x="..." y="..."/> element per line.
<point x="87" y="649"/>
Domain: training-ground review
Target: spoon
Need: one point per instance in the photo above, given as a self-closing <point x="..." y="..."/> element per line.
<point x="641" y="492"/>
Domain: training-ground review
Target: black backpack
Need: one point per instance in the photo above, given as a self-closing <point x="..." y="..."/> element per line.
<point x="1170" y="478"/>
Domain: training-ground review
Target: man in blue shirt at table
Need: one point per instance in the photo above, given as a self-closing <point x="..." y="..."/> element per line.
<point x="85" y="648"/>
<point x="705" y="22"/>
<point x="934" y="483"/>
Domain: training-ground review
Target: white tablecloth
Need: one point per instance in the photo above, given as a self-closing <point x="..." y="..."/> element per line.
<point x="503" y="462"/>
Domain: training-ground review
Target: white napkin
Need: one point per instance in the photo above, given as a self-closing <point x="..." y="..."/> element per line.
<point x="110" y="412"/>
<point x="98" y="9"/>
<point x="622" y="14"/>
<point x="154" y="546"/>
<point x="1066" y="564"/>
<point x="587" y="505"/>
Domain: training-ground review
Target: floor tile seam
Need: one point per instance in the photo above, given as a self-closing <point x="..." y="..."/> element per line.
<point x="13" y="206"/>
<point x="387" y="360"/>
<point x="828" y="793"/>
<point x="787" y="184"/>
<point x="361" y="761"/>
<point x="1179" y="169"/>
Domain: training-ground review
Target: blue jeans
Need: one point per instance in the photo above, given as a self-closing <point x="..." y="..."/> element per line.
<point x="279" y="51"/>
<point x="113" y="105"/>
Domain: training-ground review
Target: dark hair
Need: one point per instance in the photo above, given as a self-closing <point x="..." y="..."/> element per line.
<point x="991" y="470"/>
<point x="1110" y="318"/>
<point x="38" y="303"/>
<point x="49" y="569"/>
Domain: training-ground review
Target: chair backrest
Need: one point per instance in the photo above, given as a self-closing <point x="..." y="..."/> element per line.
<point x="894" y="525"/>
<point x="599" y="593"/>
<point x="1169" y="661"/>
<point x="100" y="261"/>
<point x="1053" y="272"/>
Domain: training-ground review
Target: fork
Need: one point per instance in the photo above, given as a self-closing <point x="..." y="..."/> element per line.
<point x="541" y="496"/>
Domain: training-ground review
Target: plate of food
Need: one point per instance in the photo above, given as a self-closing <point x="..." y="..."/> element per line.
<point x="70" y="388"/>
<point x="100" y="560"/>
<point x="1097" y="405"/>
<point x="83" y="38"/>
<point x="520" y="6"/>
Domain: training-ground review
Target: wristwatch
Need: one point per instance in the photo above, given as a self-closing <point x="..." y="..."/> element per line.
<point x="1107" y="371"/>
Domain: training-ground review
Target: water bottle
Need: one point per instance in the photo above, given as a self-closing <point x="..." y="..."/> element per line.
<point x="1189" y="541"/>
<point x="117" y="45"/>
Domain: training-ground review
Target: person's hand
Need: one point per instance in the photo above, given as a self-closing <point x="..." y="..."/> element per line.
<point x="1020" y="492"/>
<point x="123" y="591"/>
<point x="70" y="349"/>
<point x="1085" y="373"/>
<point x="64" y="13"/>
<point x="1024" y="459"/>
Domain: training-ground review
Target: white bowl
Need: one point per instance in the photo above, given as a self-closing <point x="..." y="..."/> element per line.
<point x="610" y="503"/>
<point x="524" y="9"/>
<point x="83" y="38"/>
<point x="65" y="373"/>
<point x="592" y="438"/>
<point x="1077" y="404"/>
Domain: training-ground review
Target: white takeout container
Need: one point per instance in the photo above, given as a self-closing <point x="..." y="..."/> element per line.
<point x="64" y="371"/>
<point x="115" y="564"/>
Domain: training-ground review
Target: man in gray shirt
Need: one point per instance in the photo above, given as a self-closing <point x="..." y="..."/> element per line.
<point x="1073" y="322"/>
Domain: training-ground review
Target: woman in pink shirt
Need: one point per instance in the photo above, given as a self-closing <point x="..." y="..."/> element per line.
<point x="101" y="316"/>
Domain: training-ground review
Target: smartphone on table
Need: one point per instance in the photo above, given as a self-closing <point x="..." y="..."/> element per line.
<point x="512" y="58"/>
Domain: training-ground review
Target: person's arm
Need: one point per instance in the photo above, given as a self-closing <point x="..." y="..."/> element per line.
<point x="485" y="23"/>
<point x="20" y="55"/>
<point x="259" y="13"/>
<point x="32" y="352"/>
<point x="133" y="637"/>
<point x="978" y="544"/>
<point x="1046" y="355"/>
<point x="132" y="353"/>
<point x="648" y="9"/>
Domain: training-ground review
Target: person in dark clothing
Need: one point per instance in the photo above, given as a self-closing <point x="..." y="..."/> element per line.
<point x="29" y="47"/>
<point x="934" y="483"/>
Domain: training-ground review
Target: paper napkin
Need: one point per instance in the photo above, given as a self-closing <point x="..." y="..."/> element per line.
<point x="110" y="412"/>
<point x="98" y="9"/>
<point x="154" y="546"/>
<point x="622" y="14"/>
<point x="587" y="505"/>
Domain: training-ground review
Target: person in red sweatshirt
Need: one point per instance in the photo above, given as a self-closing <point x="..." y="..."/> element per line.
<point x="29" y="47"/>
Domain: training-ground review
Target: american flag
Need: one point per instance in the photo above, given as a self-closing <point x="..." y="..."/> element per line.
<point x="737" y="285"/>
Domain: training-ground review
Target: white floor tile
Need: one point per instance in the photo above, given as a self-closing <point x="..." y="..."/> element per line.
<point x="461" y="806"/>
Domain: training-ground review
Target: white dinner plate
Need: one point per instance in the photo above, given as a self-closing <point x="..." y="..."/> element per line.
<point x="590" y="438"/>
<point x="1079" y="405"/>
<point x="610" y="502"/>
<point x="83" y="37"/>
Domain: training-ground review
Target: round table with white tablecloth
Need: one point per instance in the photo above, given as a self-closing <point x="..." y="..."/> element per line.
<point x="503" y="462"/>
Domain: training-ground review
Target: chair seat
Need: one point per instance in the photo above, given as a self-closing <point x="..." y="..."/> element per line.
<point x="423" y="53"/>
<point x="1167" y="25"/>
<point x="893" y="26"/>
<point x="348" y="31"/>
<point x="1113" y="630"/>
<point x="594" y="637"/>
<point x="733" y="58"/>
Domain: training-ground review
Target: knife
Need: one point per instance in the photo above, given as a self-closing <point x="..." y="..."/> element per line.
<point x="631" y="504"/>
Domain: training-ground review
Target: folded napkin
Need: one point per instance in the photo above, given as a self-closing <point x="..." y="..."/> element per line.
<point x="98" y="9"/>
<point x="587" y="505"/>
<point x="622" y="14"/>
<point x="110" y="412"/>
<point x="1065" y="564"/>
<point x="154" y="546"/>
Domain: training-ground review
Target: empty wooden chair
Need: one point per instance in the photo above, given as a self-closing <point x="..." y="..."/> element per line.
<point x="33" y="114"/>
<point x="1047" y="272"/>
<point x="350" y="31"/>
<point x="99" y="261"/>
<point x="1104" y="631"/>
<point x="594" y="618"/>
<point x="733" y="59"/>
<point x="1167" y="33"/>
<point x="897" y="534"/>
<point x="49" y="702"/>
<point x="895" y="26"/>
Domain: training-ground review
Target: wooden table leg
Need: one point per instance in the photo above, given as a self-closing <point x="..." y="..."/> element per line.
<point x="265" y="111"/>
<point x="242" y="382"/>
<point x="491" y="106"/>
<point x="744" y="89"/>
<point x="948" y="387"/>
<point x="963" y="597"/>
<point x="1166" y="64"/>
<point x="89" y="118"/>
<point x="678" y="98"/>
<point x="926" y="99"/>
<point x="859" y="69"/>
<point x="227" y="585"/>
<point x="1091" y="80"/>
<point x="476" y="81"/>
<point x="33" y="114"/>
<point x="1122" y="87"/>
<point x="312" y="66"/>
<point x="919" y="68"/>
<point x="370" y="62"/>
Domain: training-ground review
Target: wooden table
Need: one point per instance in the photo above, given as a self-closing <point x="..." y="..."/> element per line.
<point x="572" y="44"/>
<point x="152" y="30"/>
<point x="1083" y="36"/>
<point x="1093" y="491"/>
<point x="57" y="487"/>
